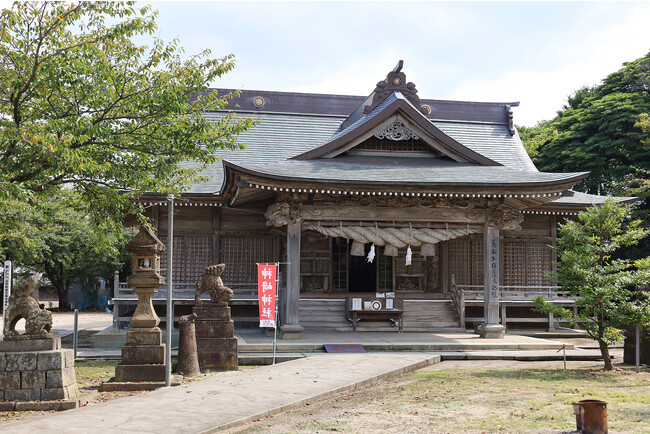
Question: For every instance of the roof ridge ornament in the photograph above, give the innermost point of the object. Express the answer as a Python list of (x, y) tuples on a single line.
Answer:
[(511, 124), (396, 82)]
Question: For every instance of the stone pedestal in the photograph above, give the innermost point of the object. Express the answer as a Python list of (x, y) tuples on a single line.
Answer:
[(188, 358), (291, 331), (36, 370), (491, 331), (143, 356), (215, 338)]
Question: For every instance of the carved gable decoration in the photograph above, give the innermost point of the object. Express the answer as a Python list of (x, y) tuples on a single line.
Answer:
[(396, 82), (396, 130)]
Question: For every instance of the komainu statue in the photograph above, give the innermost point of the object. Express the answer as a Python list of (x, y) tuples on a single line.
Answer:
[(38, 322), (210, 282)]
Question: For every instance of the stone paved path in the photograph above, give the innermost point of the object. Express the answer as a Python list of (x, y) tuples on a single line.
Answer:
[(231, 398)]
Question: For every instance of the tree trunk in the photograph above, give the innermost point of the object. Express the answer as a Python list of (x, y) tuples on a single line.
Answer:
[(605, 353), (61, 289), (64, 304)]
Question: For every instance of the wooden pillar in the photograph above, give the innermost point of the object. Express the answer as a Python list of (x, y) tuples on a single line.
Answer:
[(491, 328), (291, 327)]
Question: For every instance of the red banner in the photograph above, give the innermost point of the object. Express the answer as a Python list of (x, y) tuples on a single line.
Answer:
[(266, 293)]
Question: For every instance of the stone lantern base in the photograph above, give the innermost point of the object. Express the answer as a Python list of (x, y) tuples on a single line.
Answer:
[(143, 356)]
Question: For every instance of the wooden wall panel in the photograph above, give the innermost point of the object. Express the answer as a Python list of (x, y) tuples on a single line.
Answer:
[(238, 220), (187, 219)]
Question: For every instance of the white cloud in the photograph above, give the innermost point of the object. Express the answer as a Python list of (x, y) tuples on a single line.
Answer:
[(589, 54)]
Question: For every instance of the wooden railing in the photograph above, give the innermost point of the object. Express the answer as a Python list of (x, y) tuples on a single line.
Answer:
[(182, 294), (509, 296), (458, 296)]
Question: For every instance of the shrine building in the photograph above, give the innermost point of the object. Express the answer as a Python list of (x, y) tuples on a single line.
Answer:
[(434, 205)]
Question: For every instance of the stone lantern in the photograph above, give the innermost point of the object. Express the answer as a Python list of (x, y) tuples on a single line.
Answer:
[(143, 355), (146, 278)]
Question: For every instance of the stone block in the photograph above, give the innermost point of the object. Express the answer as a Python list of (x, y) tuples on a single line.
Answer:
[(53, 393), (23, 345), (142, 372), (143, 354), (152, 336), (2, 362), (216, 329), (225, 361), (20, 361), (212, 312), (47, 405), (216, 345), (48, 360), (32, 379), (9, 380), (6, 406), (72, 390), (217, 354), (23, 395), (60, 377)]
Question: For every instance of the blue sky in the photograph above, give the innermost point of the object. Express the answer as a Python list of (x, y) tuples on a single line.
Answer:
[(533, 52)]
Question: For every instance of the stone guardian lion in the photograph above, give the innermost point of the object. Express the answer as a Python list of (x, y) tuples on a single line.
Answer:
[(210, 282), (38, 322)]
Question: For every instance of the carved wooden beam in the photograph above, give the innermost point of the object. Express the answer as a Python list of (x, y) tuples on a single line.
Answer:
[(280, 214)]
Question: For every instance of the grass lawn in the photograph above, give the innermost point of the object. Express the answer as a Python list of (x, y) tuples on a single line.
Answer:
[(92, 373), (449, 401)]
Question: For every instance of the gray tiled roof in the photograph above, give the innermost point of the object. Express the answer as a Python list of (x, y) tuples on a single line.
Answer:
[(276, 138), (491, 140), (391, 171), (577, 198), (280, 136)]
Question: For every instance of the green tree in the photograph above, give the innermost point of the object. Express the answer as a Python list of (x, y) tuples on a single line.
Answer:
[(68, 246), (606, 287), (85, 107), (595, 131)]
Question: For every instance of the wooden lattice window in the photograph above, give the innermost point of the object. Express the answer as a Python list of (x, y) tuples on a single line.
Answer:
[(241, 254), (192, 254), (539, 263), (384, 271), (339, 264), (466, 260), (514, 263), (526, 263)]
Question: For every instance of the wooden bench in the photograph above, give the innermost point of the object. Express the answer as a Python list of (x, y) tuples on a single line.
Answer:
[(389, 314)]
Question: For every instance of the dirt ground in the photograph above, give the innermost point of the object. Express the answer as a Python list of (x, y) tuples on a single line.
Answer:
[(474, 397)]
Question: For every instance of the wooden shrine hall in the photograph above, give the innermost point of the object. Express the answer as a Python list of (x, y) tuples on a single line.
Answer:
[(432, 208)]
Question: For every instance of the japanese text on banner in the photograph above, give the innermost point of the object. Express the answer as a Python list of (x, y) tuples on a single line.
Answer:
[(266, 293)]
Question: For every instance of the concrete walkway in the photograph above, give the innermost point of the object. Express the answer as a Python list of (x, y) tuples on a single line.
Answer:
[(229, 399), (392, 341)]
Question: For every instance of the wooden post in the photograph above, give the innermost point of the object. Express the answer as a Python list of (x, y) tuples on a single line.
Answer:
[(444, 265), (491, 328), (291, 327)]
